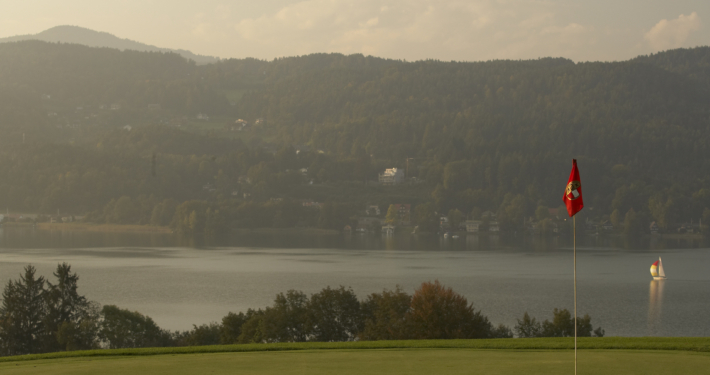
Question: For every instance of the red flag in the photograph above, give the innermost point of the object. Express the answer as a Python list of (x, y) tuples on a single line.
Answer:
[(573, 192)]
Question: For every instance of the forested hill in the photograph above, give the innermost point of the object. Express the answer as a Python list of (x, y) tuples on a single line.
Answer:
[(479, 134)]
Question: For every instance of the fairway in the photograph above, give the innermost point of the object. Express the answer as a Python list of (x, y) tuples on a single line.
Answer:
[(380, 361)]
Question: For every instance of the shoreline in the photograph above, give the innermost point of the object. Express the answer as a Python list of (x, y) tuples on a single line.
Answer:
[(89, 227), (289, 231), (127, 228)]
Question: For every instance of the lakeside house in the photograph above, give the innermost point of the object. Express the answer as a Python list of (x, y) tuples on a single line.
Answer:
[(391, 176), (473, 226), (388, 230)]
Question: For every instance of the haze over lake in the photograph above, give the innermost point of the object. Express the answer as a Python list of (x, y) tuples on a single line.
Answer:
[(180, 284)]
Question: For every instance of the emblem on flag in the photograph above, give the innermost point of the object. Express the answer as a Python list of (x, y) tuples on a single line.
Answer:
[(573, 192)]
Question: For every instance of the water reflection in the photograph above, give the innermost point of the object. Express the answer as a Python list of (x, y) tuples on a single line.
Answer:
[(29, 237), (655, 306)]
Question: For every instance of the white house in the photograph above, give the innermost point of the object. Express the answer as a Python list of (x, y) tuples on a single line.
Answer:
[(391, 176)]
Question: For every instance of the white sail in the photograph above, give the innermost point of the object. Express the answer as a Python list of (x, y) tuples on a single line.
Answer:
[(660, 268)]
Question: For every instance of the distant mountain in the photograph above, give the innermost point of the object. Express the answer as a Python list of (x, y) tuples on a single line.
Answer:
[(91, 38)]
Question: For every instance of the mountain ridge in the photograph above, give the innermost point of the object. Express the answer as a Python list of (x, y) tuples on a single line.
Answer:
[(92, 38)]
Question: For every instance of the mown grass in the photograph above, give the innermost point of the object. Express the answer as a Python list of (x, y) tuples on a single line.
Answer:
[(410, 361), (692, 344)]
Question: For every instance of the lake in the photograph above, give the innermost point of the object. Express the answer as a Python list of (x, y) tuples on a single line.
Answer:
[(181, 283)]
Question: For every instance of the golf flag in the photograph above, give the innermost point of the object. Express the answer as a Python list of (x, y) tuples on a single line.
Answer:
[(573, 192)]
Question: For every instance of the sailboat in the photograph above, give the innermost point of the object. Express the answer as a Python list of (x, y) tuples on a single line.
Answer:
[(657, 270)]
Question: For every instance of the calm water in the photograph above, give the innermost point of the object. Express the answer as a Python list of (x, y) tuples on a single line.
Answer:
[(183, 283)]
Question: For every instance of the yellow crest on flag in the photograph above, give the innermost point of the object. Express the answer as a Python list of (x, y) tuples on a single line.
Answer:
[(571, 190)]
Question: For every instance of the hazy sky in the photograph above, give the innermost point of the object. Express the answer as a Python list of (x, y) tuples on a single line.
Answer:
[(403, 29)]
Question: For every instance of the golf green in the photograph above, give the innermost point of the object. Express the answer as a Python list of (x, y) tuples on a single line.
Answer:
[(379, 361)]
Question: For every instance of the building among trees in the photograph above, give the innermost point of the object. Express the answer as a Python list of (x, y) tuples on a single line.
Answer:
[(391, 176)]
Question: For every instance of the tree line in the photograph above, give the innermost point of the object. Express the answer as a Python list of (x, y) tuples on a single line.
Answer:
[(38, 316)]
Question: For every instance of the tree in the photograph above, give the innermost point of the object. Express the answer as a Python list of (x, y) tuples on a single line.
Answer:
[(206, 334), (252, 328), (528, 327), (384, 315), (457, 175), (334, 315), (438, 312), (189, 217), (426, 218), (287, 319), (455, 218), (81, 334), (334, 215), (130, 329), (124, 211), (231, 327), (64, 306), (542, 213), (512, 211), (633, 224), (392, 216), (562, 325), (660, 210), (615, 219), (21, 317)]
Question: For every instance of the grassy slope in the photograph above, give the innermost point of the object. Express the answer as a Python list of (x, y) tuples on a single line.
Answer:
[(380, 361), (693, 344)]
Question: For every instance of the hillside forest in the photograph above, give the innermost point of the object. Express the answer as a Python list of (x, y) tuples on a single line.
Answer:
[(151, 138)]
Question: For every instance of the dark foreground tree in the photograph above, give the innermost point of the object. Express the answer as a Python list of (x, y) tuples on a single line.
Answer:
[(232, 324), (334, 315), (22, 313), (562, 325), (82, 333), (287, 319), (65, 307), (438, 312), (130, 329), (528, 327), (384, 315), (252, 328), (206, 334)]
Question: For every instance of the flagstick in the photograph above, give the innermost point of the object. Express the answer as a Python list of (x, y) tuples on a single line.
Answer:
[(574, 231)]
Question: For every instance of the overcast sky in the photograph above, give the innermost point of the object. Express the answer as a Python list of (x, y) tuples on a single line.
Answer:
[(473, 30)]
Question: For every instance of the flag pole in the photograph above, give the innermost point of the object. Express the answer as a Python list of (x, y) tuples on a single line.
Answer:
[(574, 236)]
